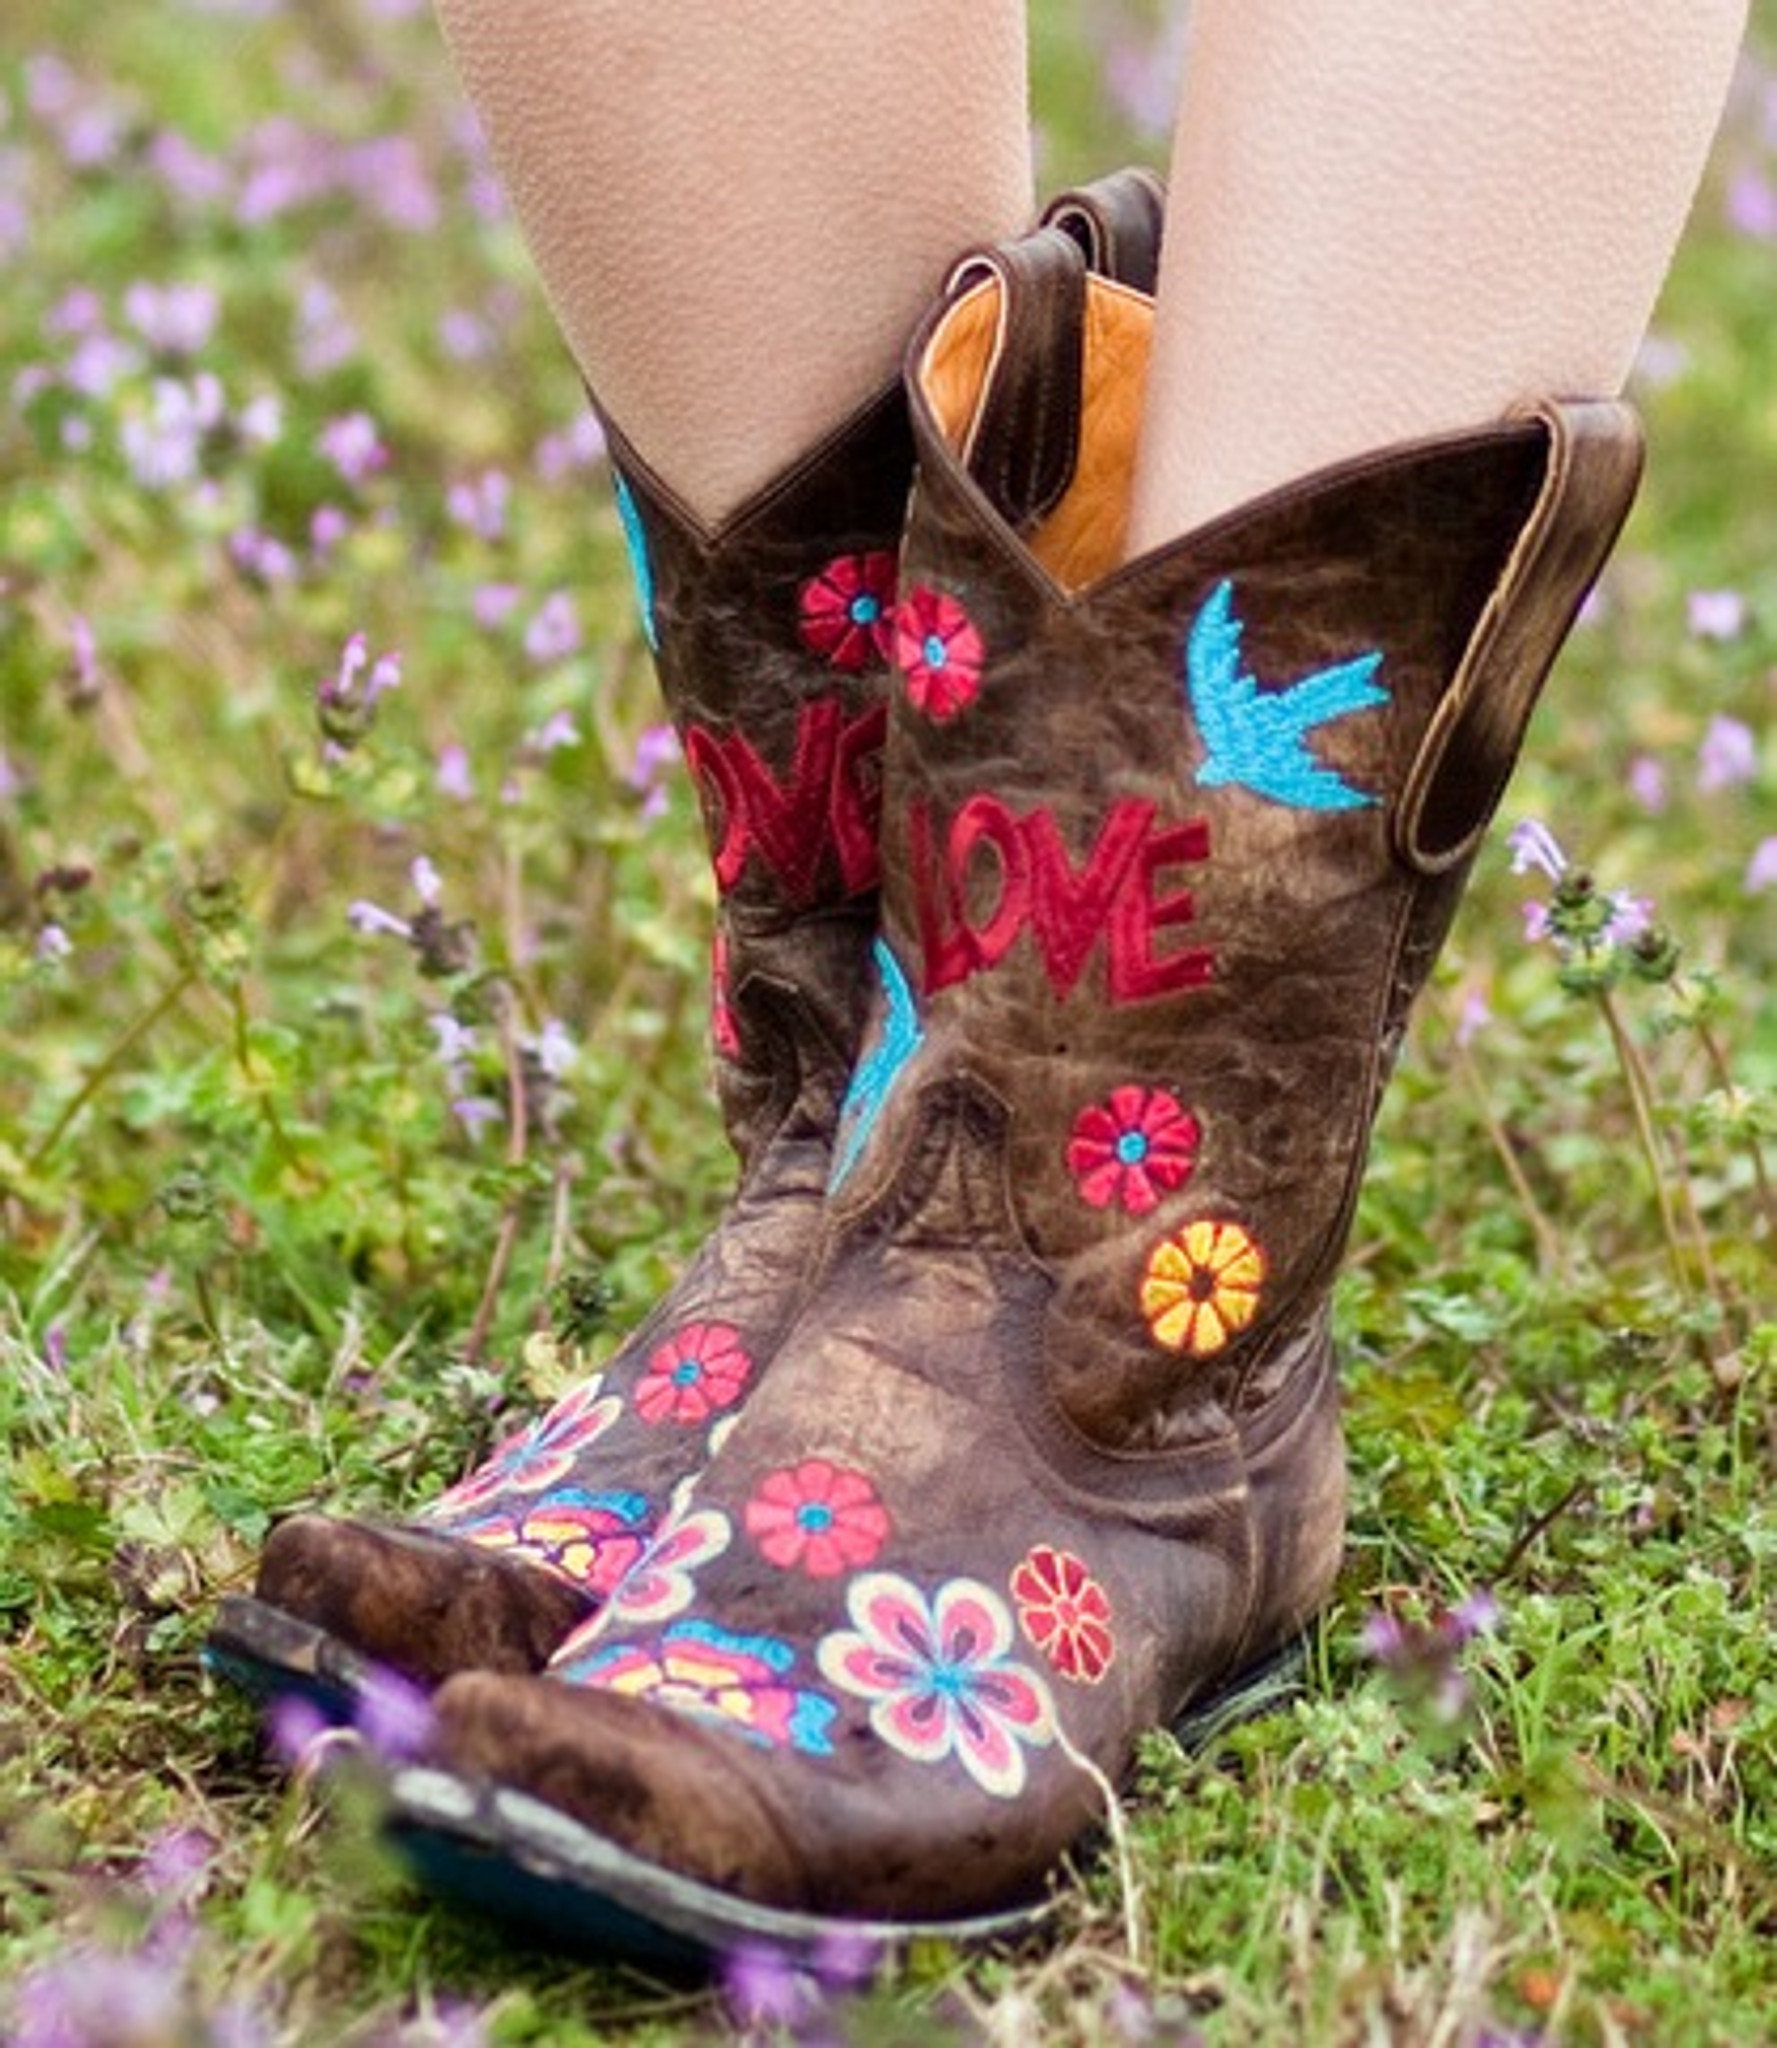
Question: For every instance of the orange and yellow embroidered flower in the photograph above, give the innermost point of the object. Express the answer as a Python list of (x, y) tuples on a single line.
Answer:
[(1202, 1287)]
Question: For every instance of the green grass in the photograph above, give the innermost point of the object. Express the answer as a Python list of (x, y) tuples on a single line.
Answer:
[(250, 1260)]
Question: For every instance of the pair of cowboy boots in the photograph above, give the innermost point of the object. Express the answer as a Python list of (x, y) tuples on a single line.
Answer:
[(1048, 1451)]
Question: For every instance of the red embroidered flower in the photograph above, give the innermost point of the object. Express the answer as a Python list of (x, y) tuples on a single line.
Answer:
[(693, 1374), (1202, 1287), (1132, 1149), (723, 1029), (848, 609), (1063, 1610), (818, 1517), (939, 651)]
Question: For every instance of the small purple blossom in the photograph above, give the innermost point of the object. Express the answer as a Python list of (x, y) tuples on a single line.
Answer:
[(454, 778), (475, 1113), (394, 1716), (553, 1049), (494, 603), (260, 556), (1715, 614), (1630, 916), (554, 631), (293, 1726), (354, 447), (1422, 1657), (575, 447), (325, 338), (1727, 756), (173, 319), (166, 447), (188, 175), (1473, 1018), (1761, 870), (373, 920), (557, 730), (479, 503), (657, 753), (1647, 783), (426, 885), (328, 526), (1533, 845), (52, 946), (98, 363), (1752, 205)]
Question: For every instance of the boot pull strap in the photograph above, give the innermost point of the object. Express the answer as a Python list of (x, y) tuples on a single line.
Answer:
[(1025, 438), (1118, 222), (1594, 465)]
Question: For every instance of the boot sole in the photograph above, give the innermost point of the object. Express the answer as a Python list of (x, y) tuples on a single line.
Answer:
[(270, 1656), (503, 1853)]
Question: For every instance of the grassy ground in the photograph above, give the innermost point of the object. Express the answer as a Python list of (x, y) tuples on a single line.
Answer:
[(273, 374)]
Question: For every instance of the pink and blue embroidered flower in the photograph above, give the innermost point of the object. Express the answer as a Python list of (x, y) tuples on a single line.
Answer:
[(1132, 1149), (703, 1369), (537, 1457), (939, 1678), (817, 1517), (848, 610), (939, 652), (660, 1584), (589, 1539), (696, 1668)]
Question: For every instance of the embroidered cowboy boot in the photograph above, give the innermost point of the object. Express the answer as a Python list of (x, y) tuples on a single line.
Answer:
[(772, 637), (1053, 1454)]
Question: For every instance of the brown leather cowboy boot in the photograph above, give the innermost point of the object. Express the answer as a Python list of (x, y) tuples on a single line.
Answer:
[(1053, 1453), (772, 637)]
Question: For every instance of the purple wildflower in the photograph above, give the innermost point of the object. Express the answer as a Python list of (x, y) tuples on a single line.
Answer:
[(426, 885), (576, 447), (464, 336), (554, 631), (293, 1726), (1716, 614), (328, 526), (53, 946), (454, 778), (1423, 1658), (1727, 757), (1761, 870), (261, 557), (55, 1347), (98, 363), (1473, 1018), (494, 603), (479, 503), (188, 175), (474, 1112), (1630, 916), (372, 919), (354, 447), (553, 1049), (1752, 205), (1661, 361), (325, 338), (166, 447), (177, 1863), (174, 319), (1647, 783), (1533, 845), (657, 753), (394, 1716), (557, 730)]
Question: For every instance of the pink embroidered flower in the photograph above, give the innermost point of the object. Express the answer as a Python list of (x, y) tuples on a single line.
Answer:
[(938, 1677), (1202, 1287), (1132, 1149), (1064, 1611), (589, 1539), (702, 1369), (939, 652), (848, 609), (694, 1667), (659, 1586), (537, 1457), (817, 1517)]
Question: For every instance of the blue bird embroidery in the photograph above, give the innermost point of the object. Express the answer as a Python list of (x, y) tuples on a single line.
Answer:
[(898, 1039), (635, 539), (1256, 739)]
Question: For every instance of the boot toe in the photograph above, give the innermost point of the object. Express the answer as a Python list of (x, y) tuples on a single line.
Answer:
[(425, 1605)]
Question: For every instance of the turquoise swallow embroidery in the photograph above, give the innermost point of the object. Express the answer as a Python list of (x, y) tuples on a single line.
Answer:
[(1257, 739), (636, 540), (877, 1072)]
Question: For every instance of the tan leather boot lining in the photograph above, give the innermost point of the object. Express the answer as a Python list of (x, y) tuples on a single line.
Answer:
[(1082, 539)]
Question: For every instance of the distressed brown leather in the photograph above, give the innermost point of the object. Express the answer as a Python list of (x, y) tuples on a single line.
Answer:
[(1082, 1483), (781, 713), (784, 742)]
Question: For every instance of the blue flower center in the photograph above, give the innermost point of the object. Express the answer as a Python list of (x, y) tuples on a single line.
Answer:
[(1132, 1148), (935, 652), (814, 1516), (865, 610), (687, 1372)]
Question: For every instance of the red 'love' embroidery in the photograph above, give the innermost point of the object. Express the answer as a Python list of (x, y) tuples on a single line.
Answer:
[(1113, 896), (830, 800)]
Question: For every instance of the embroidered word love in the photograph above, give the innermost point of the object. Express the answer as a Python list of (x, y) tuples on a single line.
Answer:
[(831, 798), (1033, 884)]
